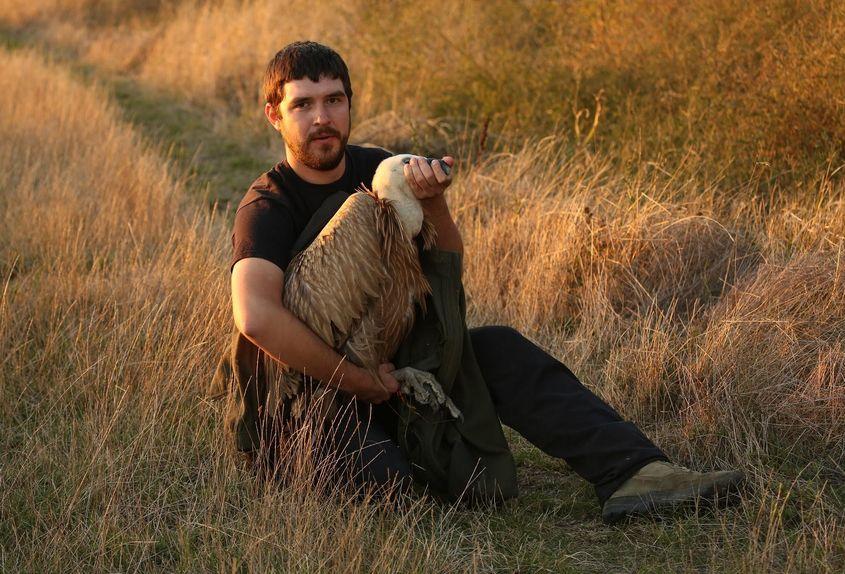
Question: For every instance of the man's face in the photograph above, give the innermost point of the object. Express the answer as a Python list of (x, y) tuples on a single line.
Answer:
[(314, 121)]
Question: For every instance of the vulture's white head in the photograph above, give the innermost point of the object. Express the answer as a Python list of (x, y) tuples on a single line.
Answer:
[(389, 183)]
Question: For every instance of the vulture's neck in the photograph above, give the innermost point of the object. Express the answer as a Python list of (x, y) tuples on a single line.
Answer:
[(408, 210)]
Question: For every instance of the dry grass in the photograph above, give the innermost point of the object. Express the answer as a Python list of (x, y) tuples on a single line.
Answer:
[(716, 324), (679, 310), (680, 277), (715, 85)]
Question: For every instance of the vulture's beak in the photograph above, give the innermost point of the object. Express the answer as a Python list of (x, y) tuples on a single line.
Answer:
[(446, 168)]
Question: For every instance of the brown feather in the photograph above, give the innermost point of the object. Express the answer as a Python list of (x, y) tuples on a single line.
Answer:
[(356, 286)]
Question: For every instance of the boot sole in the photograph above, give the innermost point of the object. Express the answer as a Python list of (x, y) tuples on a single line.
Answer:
[(725, 490)]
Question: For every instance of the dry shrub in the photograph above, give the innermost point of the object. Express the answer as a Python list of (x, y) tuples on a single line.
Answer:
[(554, 231), (783, 527), (405, 131), (114, 311), (649, 283), (742, 88), (773, 348), (641, 369), (814, 222), (92, 12), (660, 255), (637, 286), (218, 51)]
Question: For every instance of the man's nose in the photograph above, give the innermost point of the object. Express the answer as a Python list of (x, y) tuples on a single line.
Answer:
[(321, 115)]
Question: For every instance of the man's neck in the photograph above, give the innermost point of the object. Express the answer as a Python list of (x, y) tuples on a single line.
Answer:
[(316, 176)]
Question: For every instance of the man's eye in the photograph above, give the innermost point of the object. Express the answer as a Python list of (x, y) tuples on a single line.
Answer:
[(300, 105), (334, 100)]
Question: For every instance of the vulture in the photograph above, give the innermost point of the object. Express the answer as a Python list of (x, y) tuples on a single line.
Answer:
[(356, 286)]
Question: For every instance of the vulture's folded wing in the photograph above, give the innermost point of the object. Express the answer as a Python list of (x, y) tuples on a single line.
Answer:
[(331, 284)]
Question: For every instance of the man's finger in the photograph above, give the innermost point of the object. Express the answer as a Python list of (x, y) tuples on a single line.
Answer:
[(422, 184), (389, 368), (391, 384), (439, 174), (427, 172), (412, 180)]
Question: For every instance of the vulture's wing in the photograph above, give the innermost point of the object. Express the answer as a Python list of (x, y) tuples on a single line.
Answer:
[(330, 285)]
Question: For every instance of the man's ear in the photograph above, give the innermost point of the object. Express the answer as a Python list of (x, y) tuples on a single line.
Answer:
[(273, 115)]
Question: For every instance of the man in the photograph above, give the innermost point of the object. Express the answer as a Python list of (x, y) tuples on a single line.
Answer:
[(309, 95)]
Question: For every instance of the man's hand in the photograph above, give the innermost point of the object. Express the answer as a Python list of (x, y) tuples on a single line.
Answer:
[(428, 181), (367, 388)]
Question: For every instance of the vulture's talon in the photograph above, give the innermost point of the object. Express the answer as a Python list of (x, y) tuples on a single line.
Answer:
[(425, 389)]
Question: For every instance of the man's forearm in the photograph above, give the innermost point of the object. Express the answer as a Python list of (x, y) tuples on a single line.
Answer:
[(448, 236), (287, 339)]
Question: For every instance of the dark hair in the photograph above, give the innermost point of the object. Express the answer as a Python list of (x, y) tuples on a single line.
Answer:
[(299, 60)]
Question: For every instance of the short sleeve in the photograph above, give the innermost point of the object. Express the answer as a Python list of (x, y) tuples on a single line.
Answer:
[(264, 229), (367, 160), (376, 157)]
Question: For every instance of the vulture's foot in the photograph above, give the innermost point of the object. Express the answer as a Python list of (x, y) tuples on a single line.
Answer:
[(425, 389)]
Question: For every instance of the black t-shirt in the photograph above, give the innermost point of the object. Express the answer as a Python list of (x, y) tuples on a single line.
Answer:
[(278, 205)]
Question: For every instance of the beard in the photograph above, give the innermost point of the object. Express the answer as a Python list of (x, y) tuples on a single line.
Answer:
[(320, 155)]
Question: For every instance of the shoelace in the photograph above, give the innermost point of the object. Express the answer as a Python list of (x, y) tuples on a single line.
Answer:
[(678, 466)]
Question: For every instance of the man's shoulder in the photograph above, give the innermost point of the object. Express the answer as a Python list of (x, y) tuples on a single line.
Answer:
[(266, 186), (368, 152), (367, 157), (365, 160)]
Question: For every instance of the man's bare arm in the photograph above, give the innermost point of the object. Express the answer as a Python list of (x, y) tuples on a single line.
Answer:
[(257, 287), (448, 236)]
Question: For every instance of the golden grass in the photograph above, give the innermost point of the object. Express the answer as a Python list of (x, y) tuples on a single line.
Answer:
[(676, 309), (729, 88), (94, 12), (663, 261)]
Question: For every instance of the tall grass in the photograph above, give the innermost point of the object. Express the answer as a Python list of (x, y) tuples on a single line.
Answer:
[(717, 325), (683, 311), (684, 258), (730, 88)]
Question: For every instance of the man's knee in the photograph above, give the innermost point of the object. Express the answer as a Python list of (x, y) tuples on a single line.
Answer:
[(389, 468), (495, 337), (363, 447)]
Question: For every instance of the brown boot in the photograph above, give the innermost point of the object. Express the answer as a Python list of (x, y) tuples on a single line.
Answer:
[(662, 486)]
